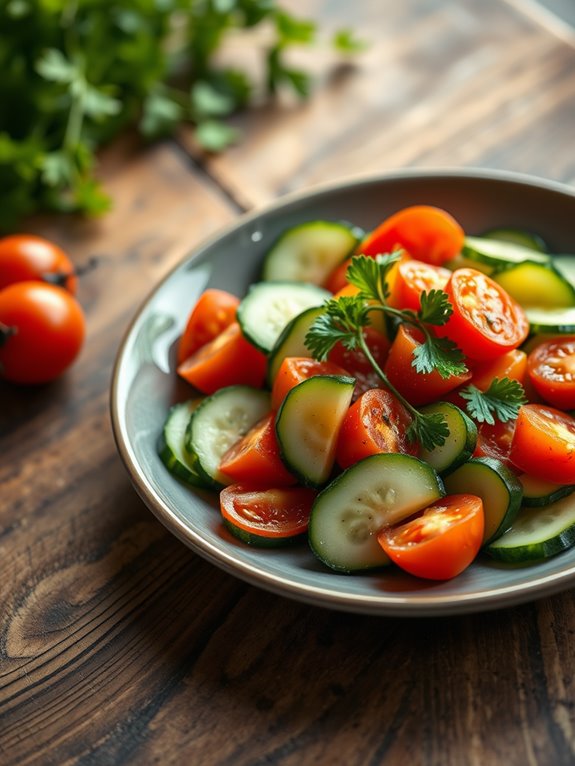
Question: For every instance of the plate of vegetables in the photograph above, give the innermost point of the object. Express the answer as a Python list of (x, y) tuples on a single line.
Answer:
[(363, 396)]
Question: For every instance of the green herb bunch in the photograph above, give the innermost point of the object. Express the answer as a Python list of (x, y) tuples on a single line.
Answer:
[(77, 72)]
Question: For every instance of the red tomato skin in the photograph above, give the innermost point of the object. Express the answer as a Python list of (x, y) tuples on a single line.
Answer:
[(295, 369), (486, 321), (427, 233), (412, 278), (543, 443), (377, 422), (255, 459), (50, 331), (356, 363), (417, 388), (227, 360), (446, 554), (25, 257), (551, 370), (512, 365), (270, 512), (495, 441), (214, 311)]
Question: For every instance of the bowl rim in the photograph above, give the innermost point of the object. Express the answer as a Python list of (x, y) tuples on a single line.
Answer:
[(392, 605)]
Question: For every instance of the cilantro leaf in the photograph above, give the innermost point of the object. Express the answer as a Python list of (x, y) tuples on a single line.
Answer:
[(342, 320), (345, 41), (430, 430), (435, 307), (501, 401), (369, 274), (439, 354)]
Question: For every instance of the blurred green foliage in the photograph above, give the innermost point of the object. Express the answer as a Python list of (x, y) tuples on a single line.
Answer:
[(74, 73)]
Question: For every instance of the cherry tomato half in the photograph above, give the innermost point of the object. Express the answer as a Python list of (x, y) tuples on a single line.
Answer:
[(356, 363), (214, 311), (486, 320), (413, 278), (439, 542), (428, 233), (376, 422), (543, 443), (42, 329), (512, 365), (551, 370), (26, 257), (294, 369), (495, 441), (256, 457), (267, 513)]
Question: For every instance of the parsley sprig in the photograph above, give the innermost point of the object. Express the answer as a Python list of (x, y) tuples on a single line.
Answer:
[(501, 400), (345, 319)]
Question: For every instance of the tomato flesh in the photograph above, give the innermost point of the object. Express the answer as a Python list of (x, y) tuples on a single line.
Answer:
[(356, 363), (42, 329), (214, 311), (377, 422), (486, 321), (440, 541), (414, 277), (543, 443), (256, 457), (273, 513), (495, 441), (551, 370)]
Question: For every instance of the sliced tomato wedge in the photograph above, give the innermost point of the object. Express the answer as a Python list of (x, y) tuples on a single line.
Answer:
[(376, 422), (225, 361), (543, 443), (258, 515), (512, 365), (294, 369), (551, 370), (214, 311), (495, 441), (486, 321), (440, 541), (356, 363), (256, 457), (417, 388), (414, 277), (428, 233)]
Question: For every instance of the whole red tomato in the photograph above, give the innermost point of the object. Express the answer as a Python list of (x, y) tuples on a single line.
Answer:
[(42, 329), (26, 256)]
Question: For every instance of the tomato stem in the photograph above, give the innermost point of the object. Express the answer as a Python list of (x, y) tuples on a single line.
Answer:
[(59, 278), (6, 331)]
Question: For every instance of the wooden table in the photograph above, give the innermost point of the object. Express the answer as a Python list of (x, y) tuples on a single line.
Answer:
[(118, 645)]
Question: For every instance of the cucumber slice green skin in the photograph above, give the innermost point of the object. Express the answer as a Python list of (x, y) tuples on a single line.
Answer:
[(565, 264), (310, 251), (171, 447), (305, 426), (521, 237), (551, 321), (348, 514), (259, 541), (269, 306), (537, 493), (218, 422), (460, 444), (499, 488), (498, 254), (291, 341), (537, 534), (536, 285)]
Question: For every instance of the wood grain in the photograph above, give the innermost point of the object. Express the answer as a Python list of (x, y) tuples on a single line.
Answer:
[(118, 645)]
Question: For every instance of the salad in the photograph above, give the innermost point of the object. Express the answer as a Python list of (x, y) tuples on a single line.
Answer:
[(400, 397)]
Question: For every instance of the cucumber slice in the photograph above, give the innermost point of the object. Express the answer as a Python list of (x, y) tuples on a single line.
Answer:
[(536, 285), (566, 265), (498, 254), (496, 485), (538, 493), (308, 423), (310, 251), (518, 237), (551, 321), (348, 514), (269, 306), (291, 341), (458, 448), (537, 533), (171, 447), (218, 422)]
